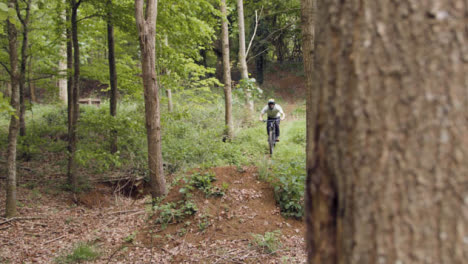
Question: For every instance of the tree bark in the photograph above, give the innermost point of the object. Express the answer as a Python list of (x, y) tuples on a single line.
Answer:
[(242, 57), (388, 183), (24, 60), (146, 25), (10, 208), (308, 14), (72, 140), (227, 70), (112, 73)]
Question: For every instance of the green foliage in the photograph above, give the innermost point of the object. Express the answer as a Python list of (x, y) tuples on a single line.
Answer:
[(268, 243), (170, 213), (203, 223), (5, 106), (202, 182), (81, 253), (130, 238), (248, 86), (289, 189)]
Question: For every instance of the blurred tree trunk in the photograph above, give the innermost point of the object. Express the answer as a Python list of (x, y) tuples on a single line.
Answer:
[(226, 70), (72, 140), (308, 8), (24, 59), (112, 73), (242, 56), (388, 179), (146, 24), (10, 208)]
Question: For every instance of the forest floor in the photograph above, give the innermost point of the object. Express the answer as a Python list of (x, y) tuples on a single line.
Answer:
[(228, 229)]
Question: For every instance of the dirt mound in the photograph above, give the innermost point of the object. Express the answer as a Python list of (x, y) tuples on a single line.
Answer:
[(224, 223)]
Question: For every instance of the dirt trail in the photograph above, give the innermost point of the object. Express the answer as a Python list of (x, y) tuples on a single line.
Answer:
[(220, 232)]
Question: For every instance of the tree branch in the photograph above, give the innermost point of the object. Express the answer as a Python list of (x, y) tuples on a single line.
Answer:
[(88, 17), (6, 68), (255, 31), (18, 13), (258, 54), (274, 32)]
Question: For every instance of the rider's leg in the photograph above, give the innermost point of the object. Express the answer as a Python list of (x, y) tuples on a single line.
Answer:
[(268, 127), (278, 128)]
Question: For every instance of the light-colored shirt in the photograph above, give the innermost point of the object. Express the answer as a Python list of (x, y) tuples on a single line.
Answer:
[(273, 113)]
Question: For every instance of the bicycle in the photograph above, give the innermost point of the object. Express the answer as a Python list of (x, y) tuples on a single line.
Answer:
[(271, 134)]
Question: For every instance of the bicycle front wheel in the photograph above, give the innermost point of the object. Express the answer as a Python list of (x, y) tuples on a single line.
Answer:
[(271, 141)]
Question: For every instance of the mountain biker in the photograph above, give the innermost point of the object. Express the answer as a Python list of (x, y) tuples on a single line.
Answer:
[(275, 113)]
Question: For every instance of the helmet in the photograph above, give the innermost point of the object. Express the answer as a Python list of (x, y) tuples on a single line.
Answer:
[(271, 101)]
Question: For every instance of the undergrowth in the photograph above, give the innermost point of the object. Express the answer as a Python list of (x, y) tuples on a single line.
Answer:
[(192, 137), (268, 243)]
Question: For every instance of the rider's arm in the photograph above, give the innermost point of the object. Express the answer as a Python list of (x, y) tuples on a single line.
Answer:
[(283, 115), (262, 113)]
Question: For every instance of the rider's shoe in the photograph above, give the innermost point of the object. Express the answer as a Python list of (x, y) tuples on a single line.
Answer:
[(277, 140)]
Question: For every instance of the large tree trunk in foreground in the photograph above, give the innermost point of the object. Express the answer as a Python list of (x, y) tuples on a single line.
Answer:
[(112, 73), (242, 56), (10, 208), (227, 70), (74, 113), (146, 24), (388, 183), (308, 8)]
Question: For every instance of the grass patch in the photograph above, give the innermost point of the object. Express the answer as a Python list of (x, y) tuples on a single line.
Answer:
[(82, 252), (268, 243)]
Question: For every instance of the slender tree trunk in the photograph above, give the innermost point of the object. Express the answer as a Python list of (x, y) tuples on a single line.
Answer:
[(8, 89), (63, 69), (31, 85), (170, 106), (227, 70), (69, 70), (242, 57), (146, 25), (112, 73), (24, 60), (10, 208), (72, 140), (388, 183)]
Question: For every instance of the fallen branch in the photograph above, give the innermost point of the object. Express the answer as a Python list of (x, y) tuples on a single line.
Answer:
[(8, 220), (125, 212), (130, 178), (55, 239)]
